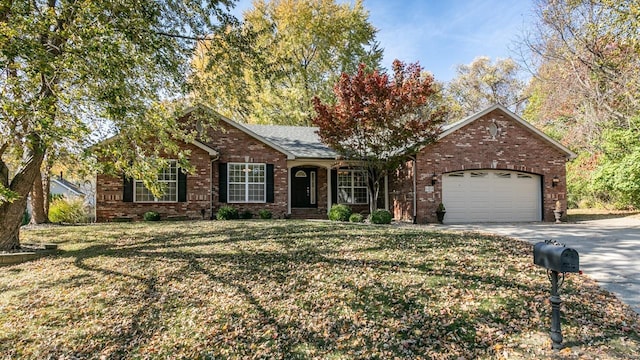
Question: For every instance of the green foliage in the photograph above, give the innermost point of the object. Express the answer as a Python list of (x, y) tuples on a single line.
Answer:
[(69, 67), (227, 213), (151, 216), (26, 218), (265, 214), (268, 69), (67, 211), (441, 208), (356, 218), (381, 216), (6, 195), (339, 212), (246, 214), (618, 173)]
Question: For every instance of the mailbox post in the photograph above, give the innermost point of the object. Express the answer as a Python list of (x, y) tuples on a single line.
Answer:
[(557, 259)]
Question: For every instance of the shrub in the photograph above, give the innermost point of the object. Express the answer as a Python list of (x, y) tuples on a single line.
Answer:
[(381, 217), (227, 213), (63, 211), (356, 218), (246, 215), (265, 214), (339, 212), (151, 216), (26, 218)]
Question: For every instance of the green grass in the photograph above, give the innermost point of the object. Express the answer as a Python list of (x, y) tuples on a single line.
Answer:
[(295, 289)]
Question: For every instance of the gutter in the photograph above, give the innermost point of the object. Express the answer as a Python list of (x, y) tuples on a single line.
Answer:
[(415, 186)]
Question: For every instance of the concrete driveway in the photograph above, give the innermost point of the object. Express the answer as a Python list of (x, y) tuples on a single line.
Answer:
[(609, 249)]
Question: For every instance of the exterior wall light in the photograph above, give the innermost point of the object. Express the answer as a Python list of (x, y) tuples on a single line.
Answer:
[(555, 181), (434, 179)]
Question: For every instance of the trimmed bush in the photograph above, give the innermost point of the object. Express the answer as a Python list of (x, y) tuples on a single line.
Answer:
[(381, 217), (356, 218), (265, 214), (339, 212), (151, 216), (63, 211), (246, 215), (227, 213)]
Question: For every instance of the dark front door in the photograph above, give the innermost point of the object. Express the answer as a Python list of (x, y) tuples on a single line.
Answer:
[(303, 188)]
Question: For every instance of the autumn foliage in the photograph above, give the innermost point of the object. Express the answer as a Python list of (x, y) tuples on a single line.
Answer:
[(380, 119)]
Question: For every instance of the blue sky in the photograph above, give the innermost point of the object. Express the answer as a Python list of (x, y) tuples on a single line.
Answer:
[(441, 34)]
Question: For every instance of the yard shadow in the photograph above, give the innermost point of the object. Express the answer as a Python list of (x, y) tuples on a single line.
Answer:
[(322, 291)]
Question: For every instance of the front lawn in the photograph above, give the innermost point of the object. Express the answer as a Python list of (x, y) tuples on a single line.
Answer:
[(295, 289)]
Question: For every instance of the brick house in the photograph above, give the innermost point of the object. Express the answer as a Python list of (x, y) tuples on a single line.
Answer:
[(492, 166)]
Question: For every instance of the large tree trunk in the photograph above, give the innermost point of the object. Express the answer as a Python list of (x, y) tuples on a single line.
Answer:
[(38, 198), (11, 212)]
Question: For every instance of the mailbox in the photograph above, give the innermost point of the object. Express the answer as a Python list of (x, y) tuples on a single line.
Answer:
[(556, 257)]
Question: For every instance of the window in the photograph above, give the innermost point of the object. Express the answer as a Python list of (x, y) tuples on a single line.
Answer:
[(352, 187), (247, 182), (168, 179)]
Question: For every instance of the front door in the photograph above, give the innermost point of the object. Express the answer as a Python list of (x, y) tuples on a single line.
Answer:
[(303, 188)]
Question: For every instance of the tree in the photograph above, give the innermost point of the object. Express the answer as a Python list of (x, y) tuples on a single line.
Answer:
[(585, 56), (291, 51), (379, 120), (482, 84), (72, 67)]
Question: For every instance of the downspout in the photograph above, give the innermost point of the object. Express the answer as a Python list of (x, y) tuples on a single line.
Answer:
[(415, 189)]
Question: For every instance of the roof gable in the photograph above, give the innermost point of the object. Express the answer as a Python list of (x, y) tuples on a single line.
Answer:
[(451, 128)]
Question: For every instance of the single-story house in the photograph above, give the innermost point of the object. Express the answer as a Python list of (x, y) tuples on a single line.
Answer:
[(490, 167)]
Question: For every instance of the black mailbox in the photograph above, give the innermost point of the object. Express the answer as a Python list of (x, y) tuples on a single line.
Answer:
[(556, 257)]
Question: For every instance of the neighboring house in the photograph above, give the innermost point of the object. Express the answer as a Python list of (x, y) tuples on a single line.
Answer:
[(492, 166), (65, 188)]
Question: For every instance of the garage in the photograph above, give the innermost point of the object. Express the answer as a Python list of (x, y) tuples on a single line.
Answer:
[(491, 196)]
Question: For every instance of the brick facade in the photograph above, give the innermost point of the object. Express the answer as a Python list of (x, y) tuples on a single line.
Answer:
[(236, 146), (110, 205), (515, 148)]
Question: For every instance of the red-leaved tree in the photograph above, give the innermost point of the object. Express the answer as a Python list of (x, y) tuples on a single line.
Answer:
[(379, 120)]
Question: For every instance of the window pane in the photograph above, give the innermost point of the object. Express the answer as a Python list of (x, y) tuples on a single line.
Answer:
[(256, 173), (360, 195), (256, 193), (359, 178), (236, 173), (142, 193), (344, 178), (236, 192), (170, 192)]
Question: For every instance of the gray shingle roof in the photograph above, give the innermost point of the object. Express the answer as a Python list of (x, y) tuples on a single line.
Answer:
[(301, 141)]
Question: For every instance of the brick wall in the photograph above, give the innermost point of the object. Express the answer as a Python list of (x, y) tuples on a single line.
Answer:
[(236, 146), (109, 192), (472, 147)]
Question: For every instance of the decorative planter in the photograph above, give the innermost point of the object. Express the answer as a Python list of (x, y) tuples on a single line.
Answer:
[(558, 215)]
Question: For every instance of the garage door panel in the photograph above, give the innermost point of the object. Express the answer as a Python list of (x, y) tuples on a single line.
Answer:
[(491, 196)]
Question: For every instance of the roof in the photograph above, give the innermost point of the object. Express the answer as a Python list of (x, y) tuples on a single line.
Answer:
[(300, 141), (450, 128), (68, 185)]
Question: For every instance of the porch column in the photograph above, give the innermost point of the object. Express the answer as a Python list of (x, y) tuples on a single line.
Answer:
[(386, 192), (329, 194)]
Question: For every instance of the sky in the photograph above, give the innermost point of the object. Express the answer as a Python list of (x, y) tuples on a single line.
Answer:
[(441, 34)]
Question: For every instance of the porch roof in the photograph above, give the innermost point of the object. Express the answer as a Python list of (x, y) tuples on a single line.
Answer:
[(301, 141)]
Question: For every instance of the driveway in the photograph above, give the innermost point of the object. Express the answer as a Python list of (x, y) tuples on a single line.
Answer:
[(609, 249)]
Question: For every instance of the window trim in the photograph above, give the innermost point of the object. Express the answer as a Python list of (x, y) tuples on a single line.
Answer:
[(352, 187), (246, 183), (155, 199)]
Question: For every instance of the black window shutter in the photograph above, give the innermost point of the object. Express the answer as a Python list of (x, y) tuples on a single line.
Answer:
[(127, 191), (182, 186), (334, 186), (270, 185), (222, 182)]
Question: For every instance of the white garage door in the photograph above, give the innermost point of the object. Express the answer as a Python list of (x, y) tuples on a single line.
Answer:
[(491, 196)]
